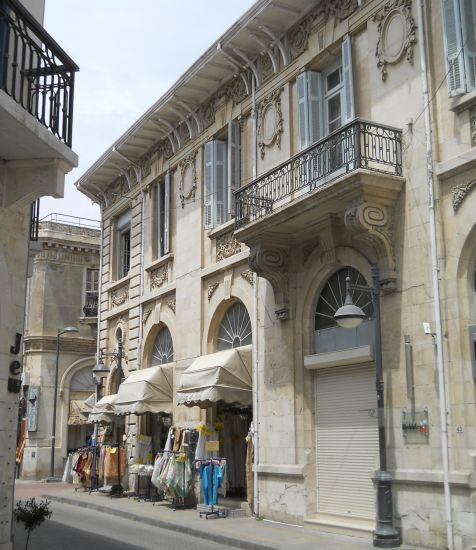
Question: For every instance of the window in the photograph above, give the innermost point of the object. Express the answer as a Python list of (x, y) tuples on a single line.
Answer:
[(123, 232), (90, 308), (459, 20), (161, 198), (325, 100), (235, 328), (222, 176), (163, 348)]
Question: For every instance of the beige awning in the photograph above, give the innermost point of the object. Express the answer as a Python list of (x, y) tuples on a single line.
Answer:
[(146, 390), (103, 411), (222, 376), (79, 410)]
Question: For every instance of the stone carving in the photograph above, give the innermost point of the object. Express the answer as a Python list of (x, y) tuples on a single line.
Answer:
[(188, 186), (271, 263), (373, 224), (472, 122), (145, 163), (397, 34), (206, 113), (298, 37), (146, 314), (120, 295), (211, 289), (265, 66), (341, 9), (69, 229), (116, 190), (226, 246), (248, 276), (158, 277), (172, 304), (270, 121), (460, 192), (236, 90)]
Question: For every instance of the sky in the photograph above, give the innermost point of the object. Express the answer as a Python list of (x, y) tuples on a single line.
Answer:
[(130, 52)]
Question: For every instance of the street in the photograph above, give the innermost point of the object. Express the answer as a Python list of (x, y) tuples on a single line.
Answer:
[(75, 528)]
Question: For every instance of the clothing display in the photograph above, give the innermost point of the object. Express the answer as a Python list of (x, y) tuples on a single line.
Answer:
[(211, 473), (82, 467)]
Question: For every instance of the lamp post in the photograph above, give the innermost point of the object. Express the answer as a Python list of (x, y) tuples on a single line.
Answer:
[(53, 430), (350, 316), (101, 371)]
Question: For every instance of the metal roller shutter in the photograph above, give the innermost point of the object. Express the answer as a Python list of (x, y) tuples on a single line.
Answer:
[(347, 441)]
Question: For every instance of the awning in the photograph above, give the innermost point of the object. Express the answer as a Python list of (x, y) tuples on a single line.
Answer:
[(79, 410), (103, 411), (146, 390), (222, 376)]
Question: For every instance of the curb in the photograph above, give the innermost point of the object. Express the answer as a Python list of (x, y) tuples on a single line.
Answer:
[(183, 529)]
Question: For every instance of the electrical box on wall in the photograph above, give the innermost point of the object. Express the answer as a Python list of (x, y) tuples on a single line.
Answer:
[(472, 347)]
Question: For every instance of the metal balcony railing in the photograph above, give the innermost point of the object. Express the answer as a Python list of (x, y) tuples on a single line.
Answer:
[(359, 144), (91, 307), (34, 220), (35, 71)]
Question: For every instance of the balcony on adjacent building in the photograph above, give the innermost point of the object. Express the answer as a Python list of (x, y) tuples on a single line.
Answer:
[(36, 107), (360, 161), (90, 309)]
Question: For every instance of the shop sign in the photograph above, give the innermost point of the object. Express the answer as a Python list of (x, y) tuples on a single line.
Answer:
[(212, 446)]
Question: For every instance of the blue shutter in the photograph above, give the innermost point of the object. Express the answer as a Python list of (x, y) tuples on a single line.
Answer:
[(315, 106), (302, 111), (167, 183), (468, 17), (221, 181), (209, 185), (453, 45), (234, 164)]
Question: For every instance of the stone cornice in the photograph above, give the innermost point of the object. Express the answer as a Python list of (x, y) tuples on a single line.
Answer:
[(40, 344)]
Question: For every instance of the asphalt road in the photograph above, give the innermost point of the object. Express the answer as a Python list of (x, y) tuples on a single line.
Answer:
[(74, 528)]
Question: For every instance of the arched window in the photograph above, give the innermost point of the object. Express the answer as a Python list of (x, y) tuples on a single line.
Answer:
[(163, 348), (235, 328), (328, 335), (82, 381)]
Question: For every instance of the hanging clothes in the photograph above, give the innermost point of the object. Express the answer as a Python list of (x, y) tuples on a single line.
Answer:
[(211, 475)]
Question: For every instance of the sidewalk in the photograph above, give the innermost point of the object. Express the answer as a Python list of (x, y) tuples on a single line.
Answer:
[(244, 533)]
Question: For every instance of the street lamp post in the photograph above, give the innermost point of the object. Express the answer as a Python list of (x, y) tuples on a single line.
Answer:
[(350, 316), (100, 371), (53, 430)]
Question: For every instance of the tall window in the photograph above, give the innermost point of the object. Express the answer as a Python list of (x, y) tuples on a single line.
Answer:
[(123, 233), (235, 328), (161, 198), (91, 293), (163, 348), (325, 100), (222, 176), (459, 21)]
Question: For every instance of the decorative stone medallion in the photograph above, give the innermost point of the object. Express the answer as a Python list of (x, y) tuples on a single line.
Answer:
[(397, 34), (270, 121), (188, 177), (120, 296)]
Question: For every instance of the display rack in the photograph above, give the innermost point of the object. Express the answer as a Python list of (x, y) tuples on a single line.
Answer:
[(212, 512)]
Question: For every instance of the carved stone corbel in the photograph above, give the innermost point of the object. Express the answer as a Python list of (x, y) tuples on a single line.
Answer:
[(373, 224), (270, 262)]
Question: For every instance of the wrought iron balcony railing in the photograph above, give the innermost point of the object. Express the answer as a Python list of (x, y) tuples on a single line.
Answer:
[(91, 307), (35, 71), (359, 144), (34, 220)]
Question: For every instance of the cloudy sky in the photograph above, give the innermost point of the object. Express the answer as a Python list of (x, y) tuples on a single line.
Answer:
[(129, 54)]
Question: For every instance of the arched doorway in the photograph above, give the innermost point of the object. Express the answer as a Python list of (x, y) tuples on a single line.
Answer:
[(81, 388)]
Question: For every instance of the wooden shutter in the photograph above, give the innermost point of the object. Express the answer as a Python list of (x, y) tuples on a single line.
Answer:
[(453, 46), (348, 111), (315, 105), (468, 16), (209, 185), (167, 183), (346, 441), (234, 164), (221, 181), (302, 111)]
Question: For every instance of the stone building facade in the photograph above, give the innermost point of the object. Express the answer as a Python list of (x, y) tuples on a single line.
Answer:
[(314, 141), (35, 155), (62, 292)]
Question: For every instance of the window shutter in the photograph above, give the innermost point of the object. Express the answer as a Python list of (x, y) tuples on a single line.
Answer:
[(302, 111), (234, 164), (221, 181), (209, 185), (348, 111), (159, 220), (315, 95), (468, 17), (453, 46), (167, 184)]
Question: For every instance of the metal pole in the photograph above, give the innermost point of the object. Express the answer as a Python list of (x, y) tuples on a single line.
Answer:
[(119, 380), (385, 535), (53, 430)]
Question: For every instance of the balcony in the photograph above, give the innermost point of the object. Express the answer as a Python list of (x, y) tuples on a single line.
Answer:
[(361, 155), (91, 307)]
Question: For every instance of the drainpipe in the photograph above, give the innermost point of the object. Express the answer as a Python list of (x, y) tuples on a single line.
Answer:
[(256, 330), (435, 269), (98, 337)]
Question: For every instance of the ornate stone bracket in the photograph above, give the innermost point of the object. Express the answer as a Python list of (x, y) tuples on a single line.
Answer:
[(472, 123), (188, 177), (397, 34), (146, 314), (211, 289), (373, 224), (226, 246), (270, 121), (271, 263), (172, 304), (460, 192), (248, 276)]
